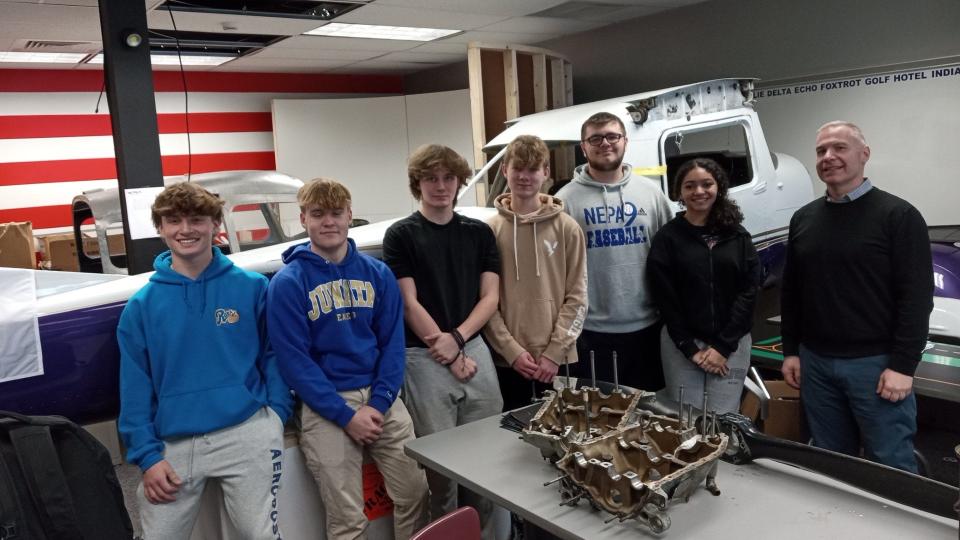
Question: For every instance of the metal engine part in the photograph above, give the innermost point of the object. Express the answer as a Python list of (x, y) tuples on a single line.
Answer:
[(625, 460), (572, 415), (635, 471)]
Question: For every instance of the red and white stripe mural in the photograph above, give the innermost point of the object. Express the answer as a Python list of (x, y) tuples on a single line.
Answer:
[(53, 146)]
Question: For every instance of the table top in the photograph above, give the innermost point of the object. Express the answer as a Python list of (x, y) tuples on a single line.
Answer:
[(760, 498)]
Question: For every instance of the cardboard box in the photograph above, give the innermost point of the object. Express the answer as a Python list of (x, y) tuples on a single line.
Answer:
[(60, 250), (16, 245), (785, 417)]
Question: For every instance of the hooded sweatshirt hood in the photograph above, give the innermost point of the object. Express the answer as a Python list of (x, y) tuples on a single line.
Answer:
[(304, 253), (619, 220), (581, 175), (550, 207), (194, 290)]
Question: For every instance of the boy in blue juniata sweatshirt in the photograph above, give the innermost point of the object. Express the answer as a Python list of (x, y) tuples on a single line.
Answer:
[(201, 396), (335, 318)]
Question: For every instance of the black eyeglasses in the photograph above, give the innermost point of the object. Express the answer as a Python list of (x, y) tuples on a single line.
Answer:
[(597, 140)]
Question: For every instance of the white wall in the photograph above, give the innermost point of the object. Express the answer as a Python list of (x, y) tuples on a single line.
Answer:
[(365, 142), (769, 39), (910, 124)]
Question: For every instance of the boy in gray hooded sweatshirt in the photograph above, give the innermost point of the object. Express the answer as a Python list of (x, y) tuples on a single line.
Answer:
[(619, 215)]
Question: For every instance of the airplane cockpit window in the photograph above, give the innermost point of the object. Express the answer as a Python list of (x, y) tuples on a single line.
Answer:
[(726, 144), (257, 224)]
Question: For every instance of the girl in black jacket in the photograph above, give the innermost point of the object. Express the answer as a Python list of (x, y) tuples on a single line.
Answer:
[(704, 275)]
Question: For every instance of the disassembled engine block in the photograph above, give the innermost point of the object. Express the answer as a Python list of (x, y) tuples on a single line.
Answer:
[(624, 459)]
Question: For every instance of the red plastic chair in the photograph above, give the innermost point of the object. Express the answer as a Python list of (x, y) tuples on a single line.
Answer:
[(461, 524)]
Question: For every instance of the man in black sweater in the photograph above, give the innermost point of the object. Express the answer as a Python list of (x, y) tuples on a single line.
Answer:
[(856, 301)]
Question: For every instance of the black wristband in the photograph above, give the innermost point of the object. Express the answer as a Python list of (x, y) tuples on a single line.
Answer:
[(458, 338)]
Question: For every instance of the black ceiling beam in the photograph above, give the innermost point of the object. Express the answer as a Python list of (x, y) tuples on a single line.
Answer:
[(133, 115)]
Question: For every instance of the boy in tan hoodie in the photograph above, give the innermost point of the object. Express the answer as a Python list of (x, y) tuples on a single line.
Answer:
[(543, 284)]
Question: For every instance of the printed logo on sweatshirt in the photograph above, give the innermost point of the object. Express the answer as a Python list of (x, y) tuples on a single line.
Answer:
[(603, 215), (616, 236), (551, 246), (622, 233), (226, 316), (339, 294)]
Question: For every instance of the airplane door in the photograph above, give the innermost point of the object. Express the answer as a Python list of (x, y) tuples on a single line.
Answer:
[(729, 143)]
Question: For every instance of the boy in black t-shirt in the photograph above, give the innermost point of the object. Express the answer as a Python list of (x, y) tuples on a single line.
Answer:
[(447, 266)]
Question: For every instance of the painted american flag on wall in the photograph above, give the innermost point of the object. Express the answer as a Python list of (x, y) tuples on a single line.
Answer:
[(53, 146)]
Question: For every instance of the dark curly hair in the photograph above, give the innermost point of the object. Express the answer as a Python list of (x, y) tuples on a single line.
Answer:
[(725, 213)]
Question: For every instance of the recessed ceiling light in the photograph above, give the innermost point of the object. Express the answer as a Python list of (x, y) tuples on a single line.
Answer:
[(41, 57), (172, 60), (372, 31)]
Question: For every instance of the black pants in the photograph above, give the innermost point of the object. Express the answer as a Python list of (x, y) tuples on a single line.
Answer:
[(638, 357)]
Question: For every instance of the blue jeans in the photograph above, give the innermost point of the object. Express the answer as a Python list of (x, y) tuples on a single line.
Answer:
[(845, 413)]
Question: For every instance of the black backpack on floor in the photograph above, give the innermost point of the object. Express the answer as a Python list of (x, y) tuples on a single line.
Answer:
[(57, 482)]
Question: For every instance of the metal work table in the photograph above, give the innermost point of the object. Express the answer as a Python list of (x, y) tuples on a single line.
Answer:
[(762, 499)]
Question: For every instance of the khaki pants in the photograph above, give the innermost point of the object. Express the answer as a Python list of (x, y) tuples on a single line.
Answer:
[(335, 461)]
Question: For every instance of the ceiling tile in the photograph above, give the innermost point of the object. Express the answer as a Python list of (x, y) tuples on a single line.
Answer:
[(624, 14), (436, 17), (442, 46), (315, 54), (50, 22), (541, 25), (345, 44), (214, 22), (499, 8), (526, 38), (253, 61), (423, 57)]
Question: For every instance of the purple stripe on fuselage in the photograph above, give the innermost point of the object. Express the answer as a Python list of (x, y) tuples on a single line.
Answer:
[(81, 364), (946, 270)]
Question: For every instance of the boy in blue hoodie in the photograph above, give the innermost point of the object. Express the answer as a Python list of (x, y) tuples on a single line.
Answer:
[(335, 317), (201, 397)]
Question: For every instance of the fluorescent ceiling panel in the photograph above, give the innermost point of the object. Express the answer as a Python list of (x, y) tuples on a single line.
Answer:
[(41, 57), (373, 31), (172, 60)]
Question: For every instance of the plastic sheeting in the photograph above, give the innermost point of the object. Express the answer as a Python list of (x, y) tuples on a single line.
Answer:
[(20, 353)]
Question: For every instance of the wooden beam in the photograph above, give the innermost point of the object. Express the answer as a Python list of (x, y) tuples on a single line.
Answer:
[(476, 105), (558, 88), (565, 154), (540, 82), (519, 48), (510, 87)]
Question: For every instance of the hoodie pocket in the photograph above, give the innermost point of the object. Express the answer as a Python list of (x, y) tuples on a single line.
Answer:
[(535, 324)]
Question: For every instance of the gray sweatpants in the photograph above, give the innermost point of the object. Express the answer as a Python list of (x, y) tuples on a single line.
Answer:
[(246, 459), (723, 392), (438, 401)]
